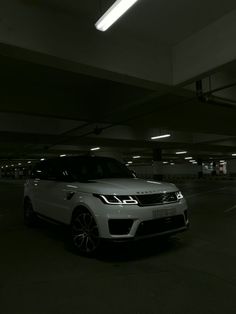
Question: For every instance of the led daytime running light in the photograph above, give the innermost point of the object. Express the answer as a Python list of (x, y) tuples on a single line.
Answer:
[(118, 200)]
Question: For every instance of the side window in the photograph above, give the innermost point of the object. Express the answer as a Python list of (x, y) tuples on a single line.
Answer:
[(45, 171), (51, 170), (39, 171)]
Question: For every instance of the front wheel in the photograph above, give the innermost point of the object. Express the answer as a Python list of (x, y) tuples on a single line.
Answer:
[(84, 233)]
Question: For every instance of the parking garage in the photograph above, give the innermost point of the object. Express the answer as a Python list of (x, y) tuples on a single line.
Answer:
[(157, 92)]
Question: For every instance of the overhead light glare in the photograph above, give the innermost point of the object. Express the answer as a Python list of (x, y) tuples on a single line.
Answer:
[(136, 157), (233, 154), (130, 162), (160, 136), (63, 155), (181, 153), (29, 162), (95, 148), (165, 162), (42, 159), (113, 14), (188, 158)]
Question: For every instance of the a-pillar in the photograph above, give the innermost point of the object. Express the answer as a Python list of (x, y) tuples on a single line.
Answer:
[(157, 165)]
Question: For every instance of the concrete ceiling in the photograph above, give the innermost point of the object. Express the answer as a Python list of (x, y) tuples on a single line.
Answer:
[(166, 20), (46, 111), (51, 105)]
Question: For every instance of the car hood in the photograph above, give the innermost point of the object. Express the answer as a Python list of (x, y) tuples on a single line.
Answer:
[(132, 186)]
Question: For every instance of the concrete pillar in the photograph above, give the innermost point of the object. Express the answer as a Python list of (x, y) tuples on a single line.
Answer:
[(231, 167), (157, 164)]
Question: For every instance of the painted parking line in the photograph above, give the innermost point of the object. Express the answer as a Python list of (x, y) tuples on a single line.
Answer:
[(205, 192), (230, 209)]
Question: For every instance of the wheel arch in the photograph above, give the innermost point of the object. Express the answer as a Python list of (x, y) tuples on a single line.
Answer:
[(81, 207)]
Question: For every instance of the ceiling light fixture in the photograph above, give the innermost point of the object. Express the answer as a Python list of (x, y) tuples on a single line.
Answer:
[(188, 158), (42, 159), (233, 154), (63, 155), (95, 148), (160, 136), (113, 14), (130, 162), (136, 157), (181, 153)]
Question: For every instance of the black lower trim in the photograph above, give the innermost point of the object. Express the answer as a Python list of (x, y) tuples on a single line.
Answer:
[(120, 226), (50, 219), (160, 225)]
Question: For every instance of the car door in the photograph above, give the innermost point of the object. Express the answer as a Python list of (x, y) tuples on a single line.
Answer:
[(51, 193)]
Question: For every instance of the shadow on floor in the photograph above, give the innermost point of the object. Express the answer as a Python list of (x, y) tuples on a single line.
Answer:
[(116, 252)]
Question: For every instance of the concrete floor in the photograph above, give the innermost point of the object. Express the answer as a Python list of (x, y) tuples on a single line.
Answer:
[(195, 272)]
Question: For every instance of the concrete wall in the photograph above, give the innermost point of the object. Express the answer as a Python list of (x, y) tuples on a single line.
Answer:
[(231, 166), (180, 170)]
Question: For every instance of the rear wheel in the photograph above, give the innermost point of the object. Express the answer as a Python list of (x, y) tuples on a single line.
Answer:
[(30, 217), (84, 233)]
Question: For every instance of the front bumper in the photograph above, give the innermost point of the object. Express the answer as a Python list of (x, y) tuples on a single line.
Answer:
[(126, 222)]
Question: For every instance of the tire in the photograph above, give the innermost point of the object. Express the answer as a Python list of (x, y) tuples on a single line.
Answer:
[(84, 233), (30, 217)]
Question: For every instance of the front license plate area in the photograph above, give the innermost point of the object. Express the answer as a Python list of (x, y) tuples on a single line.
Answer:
[(160, 213)]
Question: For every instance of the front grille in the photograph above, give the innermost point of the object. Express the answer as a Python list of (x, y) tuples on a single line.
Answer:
[(120, 226), (160, 225), (155, 199)]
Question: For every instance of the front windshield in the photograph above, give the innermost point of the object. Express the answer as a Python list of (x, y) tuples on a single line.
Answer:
[(93, 168)]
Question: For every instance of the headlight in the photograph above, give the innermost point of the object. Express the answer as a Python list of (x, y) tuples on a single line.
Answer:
[(117, 199), (179, 195)]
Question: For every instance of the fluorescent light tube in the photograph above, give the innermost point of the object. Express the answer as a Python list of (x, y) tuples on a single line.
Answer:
[(160, 136), (114, 13), (180, 153), (233, 154), (136, 157), (63, 155), (95, 148), (188, 158)]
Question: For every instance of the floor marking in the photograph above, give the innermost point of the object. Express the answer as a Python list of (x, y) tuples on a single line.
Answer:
[(205, 192), (230, 209)]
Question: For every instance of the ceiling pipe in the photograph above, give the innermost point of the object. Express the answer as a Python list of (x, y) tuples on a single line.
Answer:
[(210, 98)]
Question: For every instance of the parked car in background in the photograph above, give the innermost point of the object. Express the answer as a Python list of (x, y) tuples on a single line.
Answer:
[(100, 198)]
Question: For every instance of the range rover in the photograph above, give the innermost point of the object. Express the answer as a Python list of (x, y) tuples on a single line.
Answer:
[(100, 198)]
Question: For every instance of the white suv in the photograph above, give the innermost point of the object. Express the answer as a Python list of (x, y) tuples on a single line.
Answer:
[(100, 198)]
